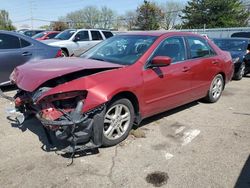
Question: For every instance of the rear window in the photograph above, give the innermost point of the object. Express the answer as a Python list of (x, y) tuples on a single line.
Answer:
[(241, 34), (107, 34), (231, 44), (96, 35)]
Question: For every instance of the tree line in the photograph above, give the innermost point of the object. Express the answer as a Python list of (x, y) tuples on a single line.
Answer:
[(152, 16)]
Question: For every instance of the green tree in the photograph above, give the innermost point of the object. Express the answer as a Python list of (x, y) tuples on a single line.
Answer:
[(171, 11), (59, 26), (214, 13), (130, 19), (107, 17), (5, 22), (45, 27), (149, 16)]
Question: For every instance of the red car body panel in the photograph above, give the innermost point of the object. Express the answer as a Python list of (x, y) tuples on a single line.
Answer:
[(170, 87), (41, 73)]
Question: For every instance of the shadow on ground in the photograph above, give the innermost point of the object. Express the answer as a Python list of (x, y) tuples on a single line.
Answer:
[(55, 145), (8, 88), (49, 142), (167, 113), (244, 177)]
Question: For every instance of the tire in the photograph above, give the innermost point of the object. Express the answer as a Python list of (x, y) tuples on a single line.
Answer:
[(215, 90), (241, 72), (64, 53), (116, 123)]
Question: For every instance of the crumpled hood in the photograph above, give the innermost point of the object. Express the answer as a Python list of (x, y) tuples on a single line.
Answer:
[(33, 74)]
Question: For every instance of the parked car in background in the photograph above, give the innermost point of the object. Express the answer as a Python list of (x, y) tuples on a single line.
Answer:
[(241, 35), (17, 49), (239, 50), (74, 42), (46, 35), (31, 33), (96, 99), (21, 30)]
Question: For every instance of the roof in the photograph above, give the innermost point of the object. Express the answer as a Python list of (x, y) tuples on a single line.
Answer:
[(158, 33)]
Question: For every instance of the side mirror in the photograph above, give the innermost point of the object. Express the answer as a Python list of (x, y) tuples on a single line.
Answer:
[(76, 39), (160, 61)]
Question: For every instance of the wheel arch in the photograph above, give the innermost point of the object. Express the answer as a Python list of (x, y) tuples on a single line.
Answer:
[(224, 78), (65, 49), (134, 100)]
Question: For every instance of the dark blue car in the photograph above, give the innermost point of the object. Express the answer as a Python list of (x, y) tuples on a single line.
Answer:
[(17, 49), (239, 50)]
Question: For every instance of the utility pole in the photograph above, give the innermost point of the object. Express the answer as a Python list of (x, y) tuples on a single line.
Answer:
[(31, 14)]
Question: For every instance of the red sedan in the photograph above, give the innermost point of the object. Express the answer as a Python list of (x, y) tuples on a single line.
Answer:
[(46, 35), (94, 100)]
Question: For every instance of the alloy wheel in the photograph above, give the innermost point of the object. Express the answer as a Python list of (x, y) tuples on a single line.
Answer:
[(217, 88), (116, 121)]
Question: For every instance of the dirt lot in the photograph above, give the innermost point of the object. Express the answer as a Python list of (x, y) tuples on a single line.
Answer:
[(197, 145)]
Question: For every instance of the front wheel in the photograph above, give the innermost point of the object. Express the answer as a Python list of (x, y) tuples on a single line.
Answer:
[(118, 121), (215, 89)]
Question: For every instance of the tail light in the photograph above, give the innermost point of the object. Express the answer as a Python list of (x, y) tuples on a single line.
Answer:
[(59, 53)]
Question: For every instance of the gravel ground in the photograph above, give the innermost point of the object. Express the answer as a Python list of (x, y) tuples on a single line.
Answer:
[(196, 145)]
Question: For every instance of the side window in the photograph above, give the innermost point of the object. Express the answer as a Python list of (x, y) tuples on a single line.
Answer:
[(83, 35), (9, 42), (52, 35), (172, 47), (24, 43), (107, 34), (199, 47), (96, 35)]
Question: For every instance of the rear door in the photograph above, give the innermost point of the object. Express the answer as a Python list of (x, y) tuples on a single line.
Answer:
[(96, 37), (205, 65), (168, 87), (12, 54), (83, 42)]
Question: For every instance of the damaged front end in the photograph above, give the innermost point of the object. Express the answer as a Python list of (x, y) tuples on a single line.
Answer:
[(62, 114)]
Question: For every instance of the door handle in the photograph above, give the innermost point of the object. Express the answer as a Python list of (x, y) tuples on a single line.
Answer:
[(26, 54), (186, 69), (215, 62)]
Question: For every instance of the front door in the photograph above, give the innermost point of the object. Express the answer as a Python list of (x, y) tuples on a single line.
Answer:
[(168, 87)]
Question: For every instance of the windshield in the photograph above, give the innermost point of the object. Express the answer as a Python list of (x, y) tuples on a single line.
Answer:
[(38, 35), (65, 35), (231, 44), (121, 49)]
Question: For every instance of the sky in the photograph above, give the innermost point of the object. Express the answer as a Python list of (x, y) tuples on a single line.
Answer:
[(21, 11)]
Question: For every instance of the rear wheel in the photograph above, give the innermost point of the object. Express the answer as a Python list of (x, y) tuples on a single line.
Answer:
[(118, 120), (215, 89), (64, 53), (241, 72)]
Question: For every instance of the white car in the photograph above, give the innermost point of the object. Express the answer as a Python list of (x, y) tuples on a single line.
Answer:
[(74, 42)]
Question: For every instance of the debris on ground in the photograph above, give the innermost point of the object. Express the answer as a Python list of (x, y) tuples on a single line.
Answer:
[(138, 133)]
